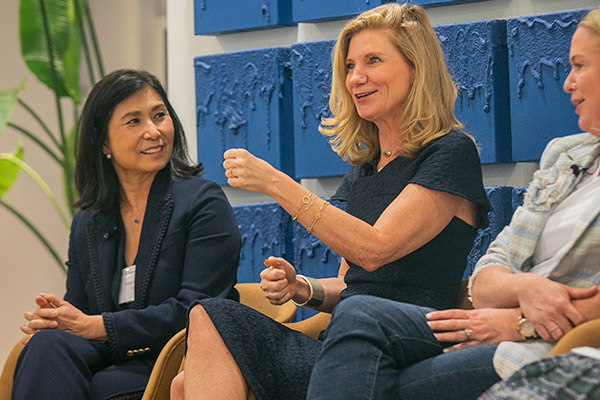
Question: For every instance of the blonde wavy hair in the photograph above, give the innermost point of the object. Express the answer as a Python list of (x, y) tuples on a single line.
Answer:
[(429, 110), (592, 22)]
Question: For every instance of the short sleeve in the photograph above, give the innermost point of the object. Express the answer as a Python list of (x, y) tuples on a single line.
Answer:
[(451, 164), (345, 189)]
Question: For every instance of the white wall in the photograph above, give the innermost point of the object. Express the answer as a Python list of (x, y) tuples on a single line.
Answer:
[(131, 34)]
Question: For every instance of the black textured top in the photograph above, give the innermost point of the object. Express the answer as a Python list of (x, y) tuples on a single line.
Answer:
[(430, 276)]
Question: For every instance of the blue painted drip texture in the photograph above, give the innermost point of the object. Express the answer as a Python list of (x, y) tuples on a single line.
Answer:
[(538, 65), (505, 201), (311, 72), (468, 50), (239, 99), (264, 230), (476, 57), (541, 40), (319, 10), (216, 17)]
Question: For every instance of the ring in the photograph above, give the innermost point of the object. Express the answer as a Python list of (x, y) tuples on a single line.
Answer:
[(231, 173), (468, 333), (553, 329)]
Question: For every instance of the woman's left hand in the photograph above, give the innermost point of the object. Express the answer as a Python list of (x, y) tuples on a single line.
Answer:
[(472, 327), (244, 170), (63, 316)]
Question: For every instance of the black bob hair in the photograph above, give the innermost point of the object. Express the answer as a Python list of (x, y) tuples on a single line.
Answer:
[(95, 178)]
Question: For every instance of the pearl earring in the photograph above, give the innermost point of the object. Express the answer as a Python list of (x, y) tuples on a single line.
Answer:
[(108, 156)]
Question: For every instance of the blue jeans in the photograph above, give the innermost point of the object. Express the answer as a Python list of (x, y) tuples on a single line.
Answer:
[(381, 349)]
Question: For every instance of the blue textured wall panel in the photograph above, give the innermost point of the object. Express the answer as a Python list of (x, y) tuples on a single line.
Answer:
[(483, 97), (538, 49), (266, 231), (244, 99), (311, 71), (319, 10), (215, 17)]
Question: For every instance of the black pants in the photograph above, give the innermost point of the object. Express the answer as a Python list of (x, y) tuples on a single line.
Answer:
[(58, 365)]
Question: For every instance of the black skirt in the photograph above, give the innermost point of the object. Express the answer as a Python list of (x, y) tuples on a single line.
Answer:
[(276, 361)]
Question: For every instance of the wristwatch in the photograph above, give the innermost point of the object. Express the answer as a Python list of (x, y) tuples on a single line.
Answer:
[(526, 328)]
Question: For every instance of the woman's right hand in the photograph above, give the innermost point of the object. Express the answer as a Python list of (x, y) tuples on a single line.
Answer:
[(278, 281), (549, 305), (246, 171)]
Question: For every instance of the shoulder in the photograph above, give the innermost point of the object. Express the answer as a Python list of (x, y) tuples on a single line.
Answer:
[(194, 186), (582, 142), (453, 141)]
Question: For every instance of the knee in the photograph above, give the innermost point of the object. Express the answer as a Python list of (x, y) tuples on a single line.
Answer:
[(356, 308), (48, 341), (177, 387), (198, 317)]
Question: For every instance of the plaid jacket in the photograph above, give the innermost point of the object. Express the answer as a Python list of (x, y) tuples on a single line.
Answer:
[(579, 261)]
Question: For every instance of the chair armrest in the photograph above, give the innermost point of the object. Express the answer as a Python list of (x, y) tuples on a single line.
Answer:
[(311, 326), (165, 368), (6, 380), (586, 334)]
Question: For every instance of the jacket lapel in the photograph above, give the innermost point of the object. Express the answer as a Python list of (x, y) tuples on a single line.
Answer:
[(156, 221), (103, 241), (584, 156)]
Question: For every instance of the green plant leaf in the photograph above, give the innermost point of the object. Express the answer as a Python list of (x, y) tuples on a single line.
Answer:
[(65, 41), (9, 171), (8, 99), (69, 171)]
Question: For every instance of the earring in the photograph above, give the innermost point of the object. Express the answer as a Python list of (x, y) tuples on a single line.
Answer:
[(108, 156)]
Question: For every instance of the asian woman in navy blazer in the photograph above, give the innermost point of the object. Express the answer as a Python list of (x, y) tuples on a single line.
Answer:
[(151, 237)]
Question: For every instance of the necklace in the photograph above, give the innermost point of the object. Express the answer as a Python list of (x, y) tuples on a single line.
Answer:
[(386, 153), (137, 220)]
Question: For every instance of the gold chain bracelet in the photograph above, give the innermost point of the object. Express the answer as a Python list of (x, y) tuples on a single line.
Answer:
[(317, 216), (306, 201)]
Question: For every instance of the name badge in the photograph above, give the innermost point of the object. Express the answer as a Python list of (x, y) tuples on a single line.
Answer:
[(127, 290)]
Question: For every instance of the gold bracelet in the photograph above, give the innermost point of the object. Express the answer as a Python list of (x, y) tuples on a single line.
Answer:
[(306, 199), (317, 216)]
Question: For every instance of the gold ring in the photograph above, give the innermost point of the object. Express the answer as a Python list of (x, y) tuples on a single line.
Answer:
[(553, 329), (468, 334)]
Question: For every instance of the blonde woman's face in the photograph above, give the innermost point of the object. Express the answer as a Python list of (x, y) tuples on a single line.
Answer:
[(583, 82), (378, 77)]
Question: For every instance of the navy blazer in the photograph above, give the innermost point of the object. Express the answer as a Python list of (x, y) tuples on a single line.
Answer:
[(189, 250)]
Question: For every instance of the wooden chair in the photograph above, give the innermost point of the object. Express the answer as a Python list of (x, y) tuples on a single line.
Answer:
[(170, 358)]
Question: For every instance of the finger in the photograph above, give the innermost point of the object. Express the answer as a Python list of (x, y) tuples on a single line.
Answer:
[(27, 330), (46, 313), (582, 293), (275, 262), (448, 325), (447, 314), (25, 340), (575, 317), (38, 324), (41, 301), (462, 345), (450, 337), (53, 300), (555, 332), (235, 153), (272, 274)]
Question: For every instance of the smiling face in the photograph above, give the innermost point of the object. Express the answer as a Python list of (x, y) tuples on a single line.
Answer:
[(583, 82), (140, 135), (378, 77)]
